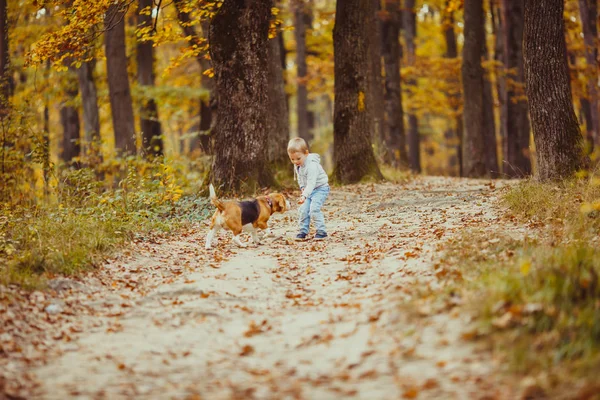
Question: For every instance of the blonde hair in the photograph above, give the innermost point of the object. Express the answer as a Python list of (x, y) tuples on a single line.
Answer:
[(297, 145)]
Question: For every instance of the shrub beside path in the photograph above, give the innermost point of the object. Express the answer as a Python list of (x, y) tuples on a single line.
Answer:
[(342, 318)]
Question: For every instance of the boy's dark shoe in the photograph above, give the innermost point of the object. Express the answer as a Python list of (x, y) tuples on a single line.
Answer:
[(320, 235), (301, 236)]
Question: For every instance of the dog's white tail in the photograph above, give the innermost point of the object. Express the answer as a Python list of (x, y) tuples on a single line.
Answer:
[(213, 198)]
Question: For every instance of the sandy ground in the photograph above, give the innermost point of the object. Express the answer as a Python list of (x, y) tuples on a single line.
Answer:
[(285, 320)]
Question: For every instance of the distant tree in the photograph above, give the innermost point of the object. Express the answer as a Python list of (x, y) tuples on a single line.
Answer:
[(91, 119), (410, 33), (118, 80), (208, 104), (558, 141), (278, 131), (239, 50), (69, 118), (377, 86), (474, 163), (394, 136), (6, 83), (353, 112), (516, 156), (150, 124), (452, 52), (489, 124), (302, 19), (589, 20)]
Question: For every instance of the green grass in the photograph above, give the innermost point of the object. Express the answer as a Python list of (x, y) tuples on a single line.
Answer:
[(83, 222), (537, 299)]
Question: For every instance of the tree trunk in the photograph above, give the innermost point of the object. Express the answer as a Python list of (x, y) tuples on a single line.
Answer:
[(69, 118), (516, 159), (376, 75), (410, 33), (278, 132), (300, 17), (556, 133), (353, 112), (474, 164), (499, 32), (91, 120), (118, 81), (489, 125), (6, 82), (239, 50), (452, 52), (589, 15), (151, 130), (208, 105), (394, 133)]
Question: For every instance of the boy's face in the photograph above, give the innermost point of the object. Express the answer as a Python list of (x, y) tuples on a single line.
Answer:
[(297, 157)]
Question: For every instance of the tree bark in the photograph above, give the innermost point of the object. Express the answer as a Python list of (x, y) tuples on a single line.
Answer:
[(91, 120), (353, 112), (118, 81), (410, 33), (278, 132), (516, 158), (6, 81), (452, 52), (556, 133), (301, 16), (239, 49), (589, 15), (208, 105), (150, 124), (394, 133), (474, 163), (69, 118), (489, 125), (376, 75)]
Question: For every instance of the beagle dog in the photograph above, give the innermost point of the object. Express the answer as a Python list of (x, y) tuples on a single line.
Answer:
[(244, 215)]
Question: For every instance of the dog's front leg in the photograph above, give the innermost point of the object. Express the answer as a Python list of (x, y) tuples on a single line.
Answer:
[(209, 237), (236, 240), (269, 233), (255, 238)]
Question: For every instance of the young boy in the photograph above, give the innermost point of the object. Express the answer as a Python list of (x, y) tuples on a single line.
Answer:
[(314, 184)]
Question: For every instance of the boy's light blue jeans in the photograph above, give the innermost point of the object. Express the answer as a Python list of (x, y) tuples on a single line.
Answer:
[(311, 209)]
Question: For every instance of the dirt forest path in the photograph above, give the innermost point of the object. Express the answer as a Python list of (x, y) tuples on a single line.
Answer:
[(284, 320)]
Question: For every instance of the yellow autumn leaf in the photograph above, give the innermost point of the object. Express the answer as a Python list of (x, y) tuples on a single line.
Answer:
[(525, 267), (361, 101)]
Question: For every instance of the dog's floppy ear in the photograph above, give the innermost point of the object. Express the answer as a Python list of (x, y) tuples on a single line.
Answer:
[(281, 202)]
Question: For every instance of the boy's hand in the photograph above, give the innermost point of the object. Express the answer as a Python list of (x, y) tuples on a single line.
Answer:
[(301, 200)]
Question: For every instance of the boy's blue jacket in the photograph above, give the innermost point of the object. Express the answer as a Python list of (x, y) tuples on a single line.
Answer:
[(311, 175)]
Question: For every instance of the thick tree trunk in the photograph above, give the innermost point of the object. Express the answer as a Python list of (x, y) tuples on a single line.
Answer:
[(489, 125), (278, 132), (353, 112), (301, 17), (499, 33), (69, 118), (589, 15), (452, 52), (558, 141), (394, 133), (516, 158), (118, 81), (239, 50), (152, 142), (410, 33), (474, 163)]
